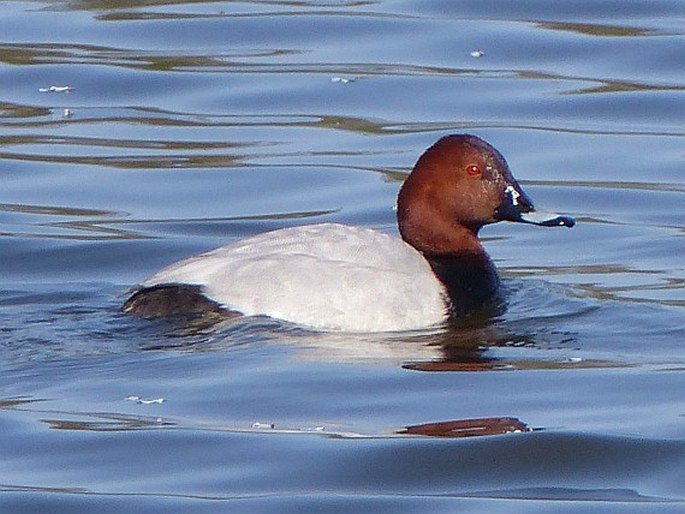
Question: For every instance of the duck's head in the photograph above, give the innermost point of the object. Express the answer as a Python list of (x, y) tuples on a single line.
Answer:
[(458, 185)]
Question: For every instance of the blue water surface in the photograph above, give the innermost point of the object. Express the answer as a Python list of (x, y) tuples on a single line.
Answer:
[(176, 127)]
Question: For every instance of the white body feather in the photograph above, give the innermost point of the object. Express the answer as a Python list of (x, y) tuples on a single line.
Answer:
[(327, 276)]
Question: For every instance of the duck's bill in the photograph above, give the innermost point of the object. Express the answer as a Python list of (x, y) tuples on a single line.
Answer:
[(546, 219), (517, 207)]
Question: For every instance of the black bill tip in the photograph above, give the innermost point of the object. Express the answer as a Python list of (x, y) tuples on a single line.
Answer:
[(547, 219)]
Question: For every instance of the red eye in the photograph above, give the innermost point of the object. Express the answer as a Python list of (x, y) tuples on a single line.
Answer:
[(473, 170)]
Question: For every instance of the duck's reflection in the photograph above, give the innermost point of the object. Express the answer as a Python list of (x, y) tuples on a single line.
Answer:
[(468, 427), (469, 347), (479, 345), (476, 344)]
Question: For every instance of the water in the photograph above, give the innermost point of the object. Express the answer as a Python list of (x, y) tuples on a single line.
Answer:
[(191, 125)]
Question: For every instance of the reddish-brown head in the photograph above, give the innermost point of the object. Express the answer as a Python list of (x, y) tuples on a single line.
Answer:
[(458, 185)]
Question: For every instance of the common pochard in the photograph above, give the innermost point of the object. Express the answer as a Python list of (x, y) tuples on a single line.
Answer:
[(336, 277)]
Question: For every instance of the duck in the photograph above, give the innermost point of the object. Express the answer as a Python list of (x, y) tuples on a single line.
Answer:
[(334, 277)]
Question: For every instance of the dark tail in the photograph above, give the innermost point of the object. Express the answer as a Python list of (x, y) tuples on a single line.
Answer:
[(169, 300)]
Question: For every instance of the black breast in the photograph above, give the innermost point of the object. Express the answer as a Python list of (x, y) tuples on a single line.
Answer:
[(471, 281)]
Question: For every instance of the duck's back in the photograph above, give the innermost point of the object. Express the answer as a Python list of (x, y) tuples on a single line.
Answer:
[(326, 276)]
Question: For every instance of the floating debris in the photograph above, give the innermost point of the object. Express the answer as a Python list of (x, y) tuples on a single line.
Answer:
[(139, 400), (56, 89), (477, 54), (257, 424), (342, 80)]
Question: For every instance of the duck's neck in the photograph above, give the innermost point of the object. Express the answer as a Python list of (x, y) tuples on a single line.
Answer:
[(470, 279), (456, 256)]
